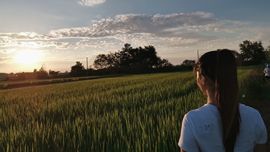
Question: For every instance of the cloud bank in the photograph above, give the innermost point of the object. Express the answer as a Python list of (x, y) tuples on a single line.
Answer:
[(137, 23), (173, 35), (140, 29), (91, 2)]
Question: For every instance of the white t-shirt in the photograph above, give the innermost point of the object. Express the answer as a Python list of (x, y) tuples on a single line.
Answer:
[(267, 72), (201, 130)]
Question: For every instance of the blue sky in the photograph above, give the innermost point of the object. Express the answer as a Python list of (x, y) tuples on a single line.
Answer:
[(61, 32)]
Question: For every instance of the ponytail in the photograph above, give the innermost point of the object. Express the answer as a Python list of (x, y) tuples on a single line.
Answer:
[(221, 67)]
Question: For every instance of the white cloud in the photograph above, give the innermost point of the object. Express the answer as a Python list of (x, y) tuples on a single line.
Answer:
[(171, 30), (91, 2), (137, 23), (29, 40), (24, 36)]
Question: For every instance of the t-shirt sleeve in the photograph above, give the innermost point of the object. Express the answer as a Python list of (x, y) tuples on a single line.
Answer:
[(187, 140), (261, 132)]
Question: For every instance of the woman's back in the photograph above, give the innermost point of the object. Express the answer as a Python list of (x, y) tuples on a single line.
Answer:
[(202, 130)]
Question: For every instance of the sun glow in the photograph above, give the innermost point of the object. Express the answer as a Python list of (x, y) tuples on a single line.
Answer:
[(28, 59)]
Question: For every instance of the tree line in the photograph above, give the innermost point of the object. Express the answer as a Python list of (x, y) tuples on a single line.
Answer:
[(144, 60), (127, 60)]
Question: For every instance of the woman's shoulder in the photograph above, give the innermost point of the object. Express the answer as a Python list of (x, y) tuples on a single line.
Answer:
[(207, 111), (249, 114), (245, 109), (202, 111)]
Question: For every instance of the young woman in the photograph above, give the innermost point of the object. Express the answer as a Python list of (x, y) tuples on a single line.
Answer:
[(222, 124), (266, 71)]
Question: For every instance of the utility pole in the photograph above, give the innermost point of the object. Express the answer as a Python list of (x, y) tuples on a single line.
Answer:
[(198, 55), (87, 66), (86, 63)]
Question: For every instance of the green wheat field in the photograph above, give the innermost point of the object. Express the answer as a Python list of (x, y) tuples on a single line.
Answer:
[(128, 113)]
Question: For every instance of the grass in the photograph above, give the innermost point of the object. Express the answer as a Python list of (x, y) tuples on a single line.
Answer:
[(129, 113)]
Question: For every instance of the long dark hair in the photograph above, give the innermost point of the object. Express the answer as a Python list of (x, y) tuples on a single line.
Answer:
[(220, 66)]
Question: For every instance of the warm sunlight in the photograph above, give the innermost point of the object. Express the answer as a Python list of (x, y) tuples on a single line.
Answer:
[(28, 59)]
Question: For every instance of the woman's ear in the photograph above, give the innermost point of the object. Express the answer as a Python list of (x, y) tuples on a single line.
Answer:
[(201, 82), (200, 79)]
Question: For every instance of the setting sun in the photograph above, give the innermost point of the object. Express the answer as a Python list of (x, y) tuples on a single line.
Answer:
[(28, 59)]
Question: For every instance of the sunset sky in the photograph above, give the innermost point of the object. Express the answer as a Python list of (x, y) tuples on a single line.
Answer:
[(56, 33)]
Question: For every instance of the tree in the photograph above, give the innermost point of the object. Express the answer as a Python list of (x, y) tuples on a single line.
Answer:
[(130, 59), (53, 73), (268, 54), (42, 69), (150, 57), (163, 63), (104, 61), (188, 63), (101, 62), (252, 52), (141, 59), (41, 73), (77, 69)]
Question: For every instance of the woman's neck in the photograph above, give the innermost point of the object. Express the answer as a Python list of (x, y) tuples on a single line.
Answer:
[(211, 97)]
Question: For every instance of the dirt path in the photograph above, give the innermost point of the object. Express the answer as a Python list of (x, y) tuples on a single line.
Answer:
[(264, 109), (263, 105)]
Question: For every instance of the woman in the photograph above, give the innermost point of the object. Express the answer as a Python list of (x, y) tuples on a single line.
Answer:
[(222, 124), (266, 71)]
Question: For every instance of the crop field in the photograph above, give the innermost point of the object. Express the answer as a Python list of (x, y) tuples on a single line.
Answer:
[(127, 113)]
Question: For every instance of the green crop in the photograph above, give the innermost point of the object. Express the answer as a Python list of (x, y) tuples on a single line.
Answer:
[(128, 113)]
